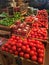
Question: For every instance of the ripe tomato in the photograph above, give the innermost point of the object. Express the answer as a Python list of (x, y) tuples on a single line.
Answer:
[(19, 45), (14, 48), (24, 48), (18, 49), (33, 48), (34, 58), (40, 51), (40, 60), (21, 54), (16, 52), (32, 53), (26, 56), (28, 50), (11, 51), (41, 55), (13, 37)]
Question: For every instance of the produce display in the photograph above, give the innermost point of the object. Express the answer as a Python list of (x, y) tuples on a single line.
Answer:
[(8, 21), (39, 33), (26, 48), (30, 19), (21, 28), (42, 16), (27, 33)]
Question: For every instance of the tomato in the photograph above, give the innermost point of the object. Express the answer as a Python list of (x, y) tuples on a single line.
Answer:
[(20, 41), (21, 54), (19, 45), (33, 48), (17, 38), (13, 37), (27, 46), (9, 46), (11, 51), (24, 48), (13, 43), (32, 53), (16, 52), (25, 42), (31, 44), (34, 58), (40, 60), (41, 55), (28, 50), (40, 51), (19, 49), (14, 48), (26, 56)]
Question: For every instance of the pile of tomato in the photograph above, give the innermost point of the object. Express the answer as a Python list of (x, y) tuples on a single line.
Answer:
[(42, 16), (26, 48)]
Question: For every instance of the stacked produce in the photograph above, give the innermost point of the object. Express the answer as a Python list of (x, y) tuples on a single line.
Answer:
[(30, 28), (21, 28), (42, 16), (8, 21), (39, 33), (30, 19), (26, 48)]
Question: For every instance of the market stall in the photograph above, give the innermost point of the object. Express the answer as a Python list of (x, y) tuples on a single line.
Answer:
[(23, 35)]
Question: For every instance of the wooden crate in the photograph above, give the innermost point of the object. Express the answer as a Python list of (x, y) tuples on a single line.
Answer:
[(11, 59), (5, 31), (2, 60), (6, 28), (15, 60)]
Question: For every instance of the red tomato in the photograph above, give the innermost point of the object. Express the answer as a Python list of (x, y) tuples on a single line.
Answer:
[(34, 48), (28, 50), (19, 49), (11, 51), (33, 41), (34, 58), (14, 48), (36, 53), (40, 51), (20, 41), (21, 54), (17, 38), (41, 55), (27, 46), (32, 53), (31, 44), (19, 45), (40, 60), (25, 42), (9, 46), (24, 48), (13, 37), (16, 52), (13, 43), (26, 56)]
